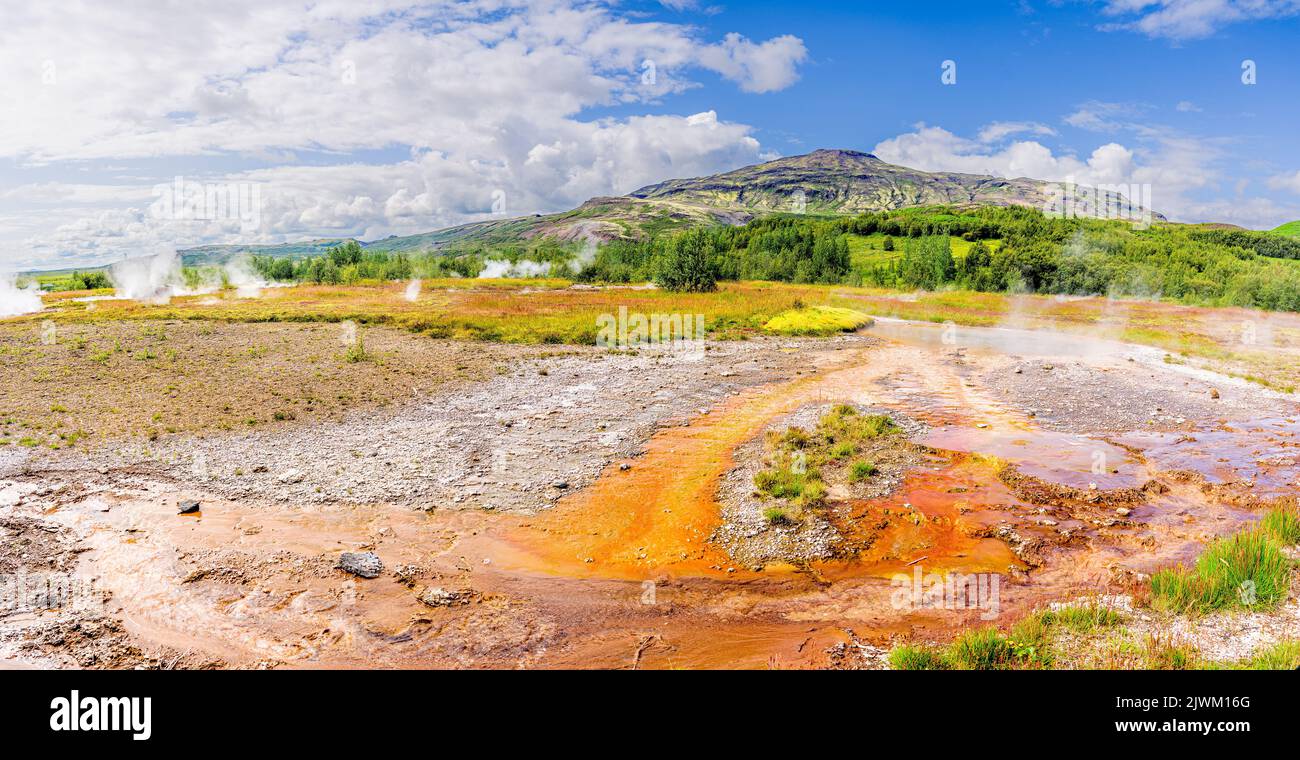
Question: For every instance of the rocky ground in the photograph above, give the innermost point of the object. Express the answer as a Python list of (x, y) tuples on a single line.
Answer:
[(1121, 395), (751, 539), (515, 442)]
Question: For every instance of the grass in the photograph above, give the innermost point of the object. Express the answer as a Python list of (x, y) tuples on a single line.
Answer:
[(868, 251), (1282, 655), (798, 458), (913, 657), (860, 471), (1084, 618), (1027, 646), (549, 311), (816, 321), (1290, 228), (1244, 570)]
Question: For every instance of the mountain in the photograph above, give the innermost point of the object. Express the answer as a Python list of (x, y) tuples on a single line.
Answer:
[(821, 182)]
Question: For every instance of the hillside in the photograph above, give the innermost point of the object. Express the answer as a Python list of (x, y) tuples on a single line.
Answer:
[(1290, 229), (830, 181)]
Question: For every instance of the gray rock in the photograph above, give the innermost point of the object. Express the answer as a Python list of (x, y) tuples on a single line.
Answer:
[(364, 564), (187, 507)]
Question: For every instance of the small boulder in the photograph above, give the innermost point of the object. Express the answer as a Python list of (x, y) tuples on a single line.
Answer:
[(441, 597), (363, 564), (1123, 511), (291, 476), (187, 507)]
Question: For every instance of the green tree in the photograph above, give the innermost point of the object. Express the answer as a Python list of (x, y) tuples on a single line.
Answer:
[(686, 263)]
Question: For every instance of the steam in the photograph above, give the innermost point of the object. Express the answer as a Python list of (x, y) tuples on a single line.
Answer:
[(496, 269), (15, 301), (413, 290), (152, 279), (585, 257), (159, 278), (244, 279)]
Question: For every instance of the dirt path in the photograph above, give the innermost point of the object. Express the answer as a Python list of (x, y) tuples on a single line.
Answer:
[(621, 571)]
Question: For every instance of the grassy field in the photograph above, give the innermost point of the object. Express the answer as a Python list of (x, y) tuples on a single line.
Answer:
[(1262, 347), (867, 251), (218, 361)]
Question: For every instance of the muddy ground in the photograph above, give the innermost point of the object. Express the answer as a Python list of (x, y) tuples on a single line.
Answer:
[(589, 509)]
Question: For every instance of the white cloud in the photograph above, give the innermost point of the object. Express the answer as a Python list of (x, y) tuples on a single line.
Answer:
[(1000, 130), (483, 96), (1286, 182), (1100, 116), (772, 65), (1179, 169), (1192, 19), (936, 149)]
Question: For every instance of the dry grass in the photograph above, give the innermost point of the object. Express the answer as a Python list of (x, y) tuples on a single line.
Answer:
[(142, 379)]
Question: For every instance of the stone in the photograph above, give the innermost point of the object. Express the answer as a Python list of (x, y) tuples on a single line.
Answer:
[(441, 597), (187, 507), (291, 476), (363, 564)]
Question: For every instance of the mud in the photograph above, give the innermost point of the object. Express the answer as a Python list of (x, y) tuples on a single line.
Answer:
[(637, 550)]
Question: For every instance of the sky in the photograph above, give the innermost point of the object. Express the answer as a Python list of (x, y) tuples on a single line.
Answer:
[(369, 118)]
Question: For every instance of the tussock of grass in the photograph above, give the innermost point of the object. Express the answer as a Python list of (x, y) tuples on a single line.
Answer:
[(1244, 570), (1028, 645), (1084, 618), (816, 321), (981, 649), (1283, 523), (913, 657), (1163, 653), (860, 471), (798, 456)]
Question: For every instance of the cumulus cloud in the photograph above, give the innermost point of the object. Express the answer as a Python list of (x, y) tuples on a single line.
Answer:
[(360, 118), (1191, 19), (936, 149), (1180, 169)]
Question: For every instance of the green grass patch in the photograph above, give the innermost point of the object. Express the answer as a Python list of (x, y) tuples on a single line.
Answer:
[(1244, 570), (1028, 645), (860, 471), (913, 657)]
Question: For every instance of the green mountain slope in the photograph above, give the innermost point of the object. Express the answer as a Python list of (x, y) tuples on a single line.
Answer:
[(1290, 229)]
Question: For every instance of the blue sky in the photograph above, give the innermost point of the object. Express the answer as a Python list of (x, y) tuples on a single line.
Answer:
[(393, 117)]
